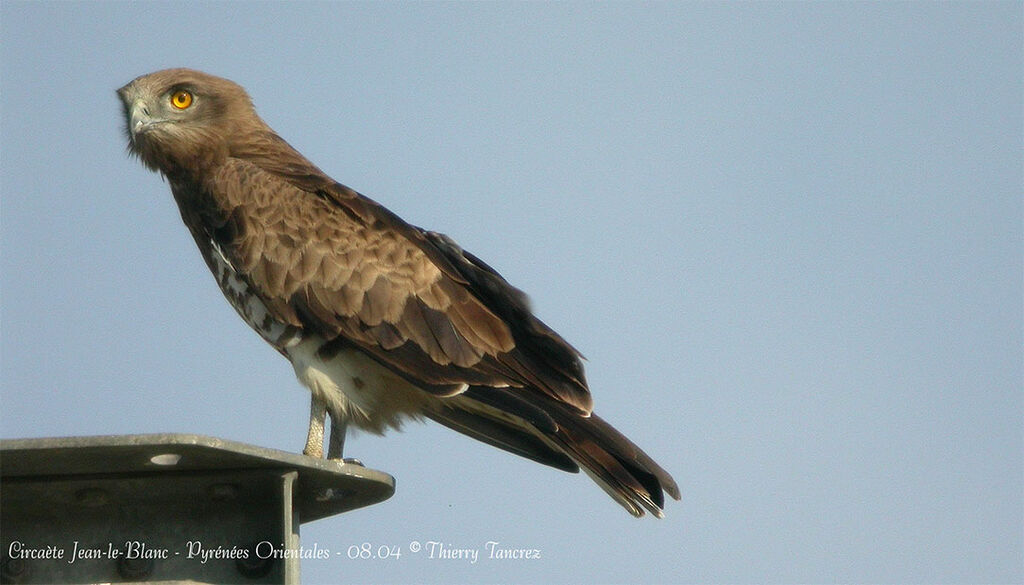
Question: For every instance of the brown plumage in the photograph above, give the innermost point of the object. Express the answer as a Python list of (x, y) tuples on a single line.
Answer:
[(381, 320)]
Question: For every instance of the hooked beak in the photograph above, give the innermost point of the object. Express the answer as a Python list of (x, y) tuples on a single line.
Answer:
[(140, 120)]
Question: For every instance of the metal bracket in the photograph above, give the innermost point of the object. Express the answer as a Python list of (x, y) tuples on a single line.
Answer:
[(166, 508)]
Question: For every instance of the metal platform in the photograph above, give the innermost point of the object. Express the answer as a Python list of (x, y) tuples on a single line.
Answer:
[(166, 508)]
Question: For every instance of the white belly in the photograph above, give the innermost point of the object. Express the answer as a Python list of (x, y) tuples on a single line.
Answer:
[(356, 388)]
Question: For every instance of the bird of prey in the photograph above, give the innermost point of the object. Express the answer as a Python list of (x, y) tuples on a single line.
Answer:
[(381, 320)]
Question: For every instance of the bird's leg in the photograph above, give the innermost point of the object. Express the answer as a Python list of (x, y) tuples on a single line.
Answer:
[(338, 427), (337, 440), (315, 438)]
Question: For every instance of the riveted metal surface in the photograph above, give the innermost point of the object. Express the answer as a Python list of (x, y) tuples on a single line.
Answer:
[(159, 508)]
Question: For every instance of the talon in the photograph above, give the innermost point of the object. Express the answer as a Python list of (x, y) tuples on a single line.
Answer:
[(352, 461)]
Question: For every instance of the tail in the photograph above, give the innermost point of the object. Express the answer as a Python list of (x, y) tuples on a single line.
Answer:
[(551, 433)]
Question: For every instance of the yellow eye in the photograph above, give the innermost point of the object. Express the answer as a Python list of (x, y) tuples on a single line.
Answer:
[(181, 99)]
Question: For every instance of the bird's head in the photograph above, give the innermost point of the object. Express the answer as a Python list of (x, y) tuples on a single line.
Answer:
[(180, 119)]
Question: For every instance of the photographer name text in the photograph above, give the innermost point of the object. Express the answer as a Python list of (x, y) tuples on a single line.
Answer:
[(433, 550)]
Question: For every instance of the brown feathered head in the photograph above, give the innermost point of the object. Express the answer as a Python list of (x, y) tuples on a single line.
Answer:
[(180, 120)]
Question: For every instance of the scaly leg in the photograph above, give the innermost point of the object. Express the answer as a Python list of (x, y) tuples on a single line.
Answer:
[(315, 438), (338, 427), (337, 440)]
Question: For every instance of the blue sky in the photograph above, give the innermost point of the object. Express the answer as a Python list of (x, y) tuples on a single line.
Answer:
[(788, 238)]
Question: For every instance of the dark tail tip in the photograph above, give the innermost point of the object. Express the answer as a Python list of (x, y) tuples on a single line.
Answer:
[(621, 468)]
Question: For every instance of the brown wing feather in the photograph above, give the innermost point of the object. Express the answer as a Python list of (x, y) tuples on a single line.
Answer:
[(342, 265)]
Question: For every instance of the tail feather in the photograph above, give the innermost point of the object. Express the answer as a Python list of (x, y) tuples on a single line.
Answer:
[(503, 433), (625, 472), (562, 438)]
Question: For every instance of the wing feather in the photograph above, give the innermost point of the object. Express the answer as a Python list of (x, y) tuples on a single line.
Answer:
[(342, 265)]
